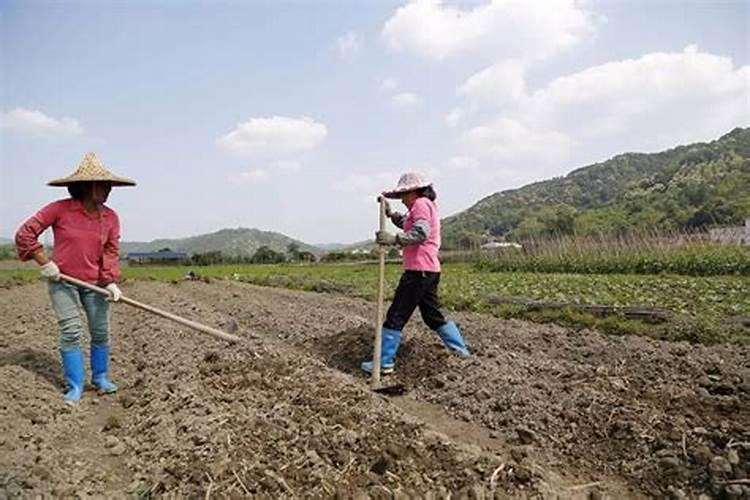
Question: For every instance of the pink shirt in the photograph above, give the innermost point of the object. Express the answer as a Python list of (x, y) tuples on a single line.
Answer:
[(87, 246), (423, 256)]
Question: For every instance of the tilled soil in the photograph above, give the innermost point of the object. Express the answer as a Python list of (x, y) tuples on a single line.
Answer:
[(537, 411)]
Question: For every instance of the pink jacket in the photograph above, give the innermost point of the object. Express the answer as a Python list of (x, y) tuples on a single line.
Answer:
[(87, 246)]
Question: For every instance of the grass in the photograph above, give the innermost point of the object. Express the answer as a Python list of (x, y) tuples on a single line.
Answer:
[(706, 308), (641, 253)]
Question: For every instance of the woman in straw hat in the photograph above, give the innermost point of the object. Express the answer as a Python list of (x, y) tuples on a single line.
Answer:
[(419, 283), (87, 247)]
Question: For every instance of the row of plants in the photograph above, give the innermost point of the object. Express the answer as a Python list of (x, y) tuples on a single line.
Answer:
[(644, 253)]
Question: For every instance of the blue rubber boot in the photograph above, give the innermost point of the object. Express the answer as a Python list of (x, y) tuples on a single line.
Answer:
[(452, 338), (389, 346), (99, 367), (72, 362)]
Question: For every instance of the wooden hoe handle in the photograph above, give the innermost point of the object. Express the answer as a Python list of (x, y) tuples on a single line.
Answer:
[(164, 314), (379, 320)]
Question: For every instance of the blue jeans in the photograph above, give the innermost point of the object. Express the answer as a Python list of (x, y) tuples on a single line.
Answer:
[(67, 300)]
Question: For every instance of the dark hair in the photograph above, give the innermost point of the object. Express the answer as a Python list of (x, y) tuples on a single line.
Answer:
[(427, 192), (79, 190)]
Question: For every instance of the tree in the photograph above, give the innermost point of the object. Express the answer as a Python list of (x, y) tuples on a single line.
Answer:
[(306, 256), (293, 250), (468, 241), (206, 258), (501, 228), (335, 257), (558, 220), (714, 213), (266, 255)]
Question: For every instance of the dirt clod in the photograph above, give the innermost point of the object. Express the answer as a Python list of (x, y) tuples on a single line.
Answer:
[(380, 466), (526, 435), (734, 491), (519, 453), (596, 495), (112, 422), (719, 467)]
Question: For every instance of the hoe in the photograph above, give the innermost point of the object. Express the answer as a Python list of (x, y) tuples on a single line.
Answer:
[(377, 385), (164, 314)]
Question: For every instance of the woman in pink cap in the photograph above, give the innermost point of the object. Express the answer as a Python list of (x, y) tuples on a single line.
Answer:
[(87, 247), (418, 286)]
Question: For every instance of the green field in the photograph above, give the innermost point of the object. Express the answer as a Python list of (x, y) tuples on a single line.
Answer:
[(706, 308), (691, 259)]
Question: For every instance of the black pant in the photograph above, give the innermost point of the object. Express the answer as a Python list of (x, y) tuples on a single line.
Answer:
[(416, 288)]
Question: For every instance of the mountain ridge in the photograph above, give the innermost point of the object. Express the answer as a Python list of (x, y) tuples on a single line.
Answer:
[(231, 242), (686, 187)]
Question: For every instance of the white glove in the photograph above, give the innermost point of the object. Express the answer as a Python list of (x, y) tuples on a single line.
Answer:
[(114, 291), (386, 238), (50, 271)]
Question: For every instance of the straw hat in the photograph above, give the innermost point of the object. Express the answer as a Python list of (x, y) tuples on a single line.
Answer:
[(92, 170), (410, 181)]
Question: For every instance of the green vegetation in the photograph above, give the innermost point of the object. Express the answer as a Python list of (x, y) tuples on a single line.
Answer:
[(7, 252), (263, 255), (359, 256), (706, 308), (643, 253), (686, 188)]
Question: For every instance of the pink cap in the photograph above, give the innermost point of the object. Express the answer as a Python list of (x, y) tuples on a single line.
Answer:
[(410, 181)]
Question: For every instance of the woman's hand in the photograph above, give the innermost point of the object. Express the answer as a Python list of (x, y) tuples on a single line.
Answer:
[(50, 271), (388, 211), (114, 291), (385, 238)]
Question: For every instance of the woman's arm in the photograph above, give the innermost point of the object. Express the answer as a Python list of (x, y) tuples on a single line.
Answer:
[(397, 219), (110, 271), (419, 232), (27, 236), (40, 257)]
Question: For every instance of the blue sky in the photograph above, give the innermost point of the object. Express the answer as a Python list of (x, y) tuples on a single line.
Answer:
[(292, 116)]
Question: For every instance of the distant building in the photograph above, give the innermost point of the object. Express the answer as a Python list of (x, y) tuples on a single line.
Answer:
[(491, 245), (736, 234), (163, 256)]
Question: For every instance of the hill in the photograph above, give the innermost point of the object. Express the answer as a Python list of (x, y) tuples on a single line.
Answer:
[(240, 242), (687, 187)]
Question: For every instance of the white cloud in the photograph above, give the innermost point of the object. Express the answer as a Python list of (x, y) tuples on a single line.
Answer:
[(368, 185), (287, 165), (254, 176), (647, 104), (454, 116), (405, 99), (463, 163), (506, 138), (275, 136), (36, 122), (516, 29), (502, 82), (348, 44), (389, 84)]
